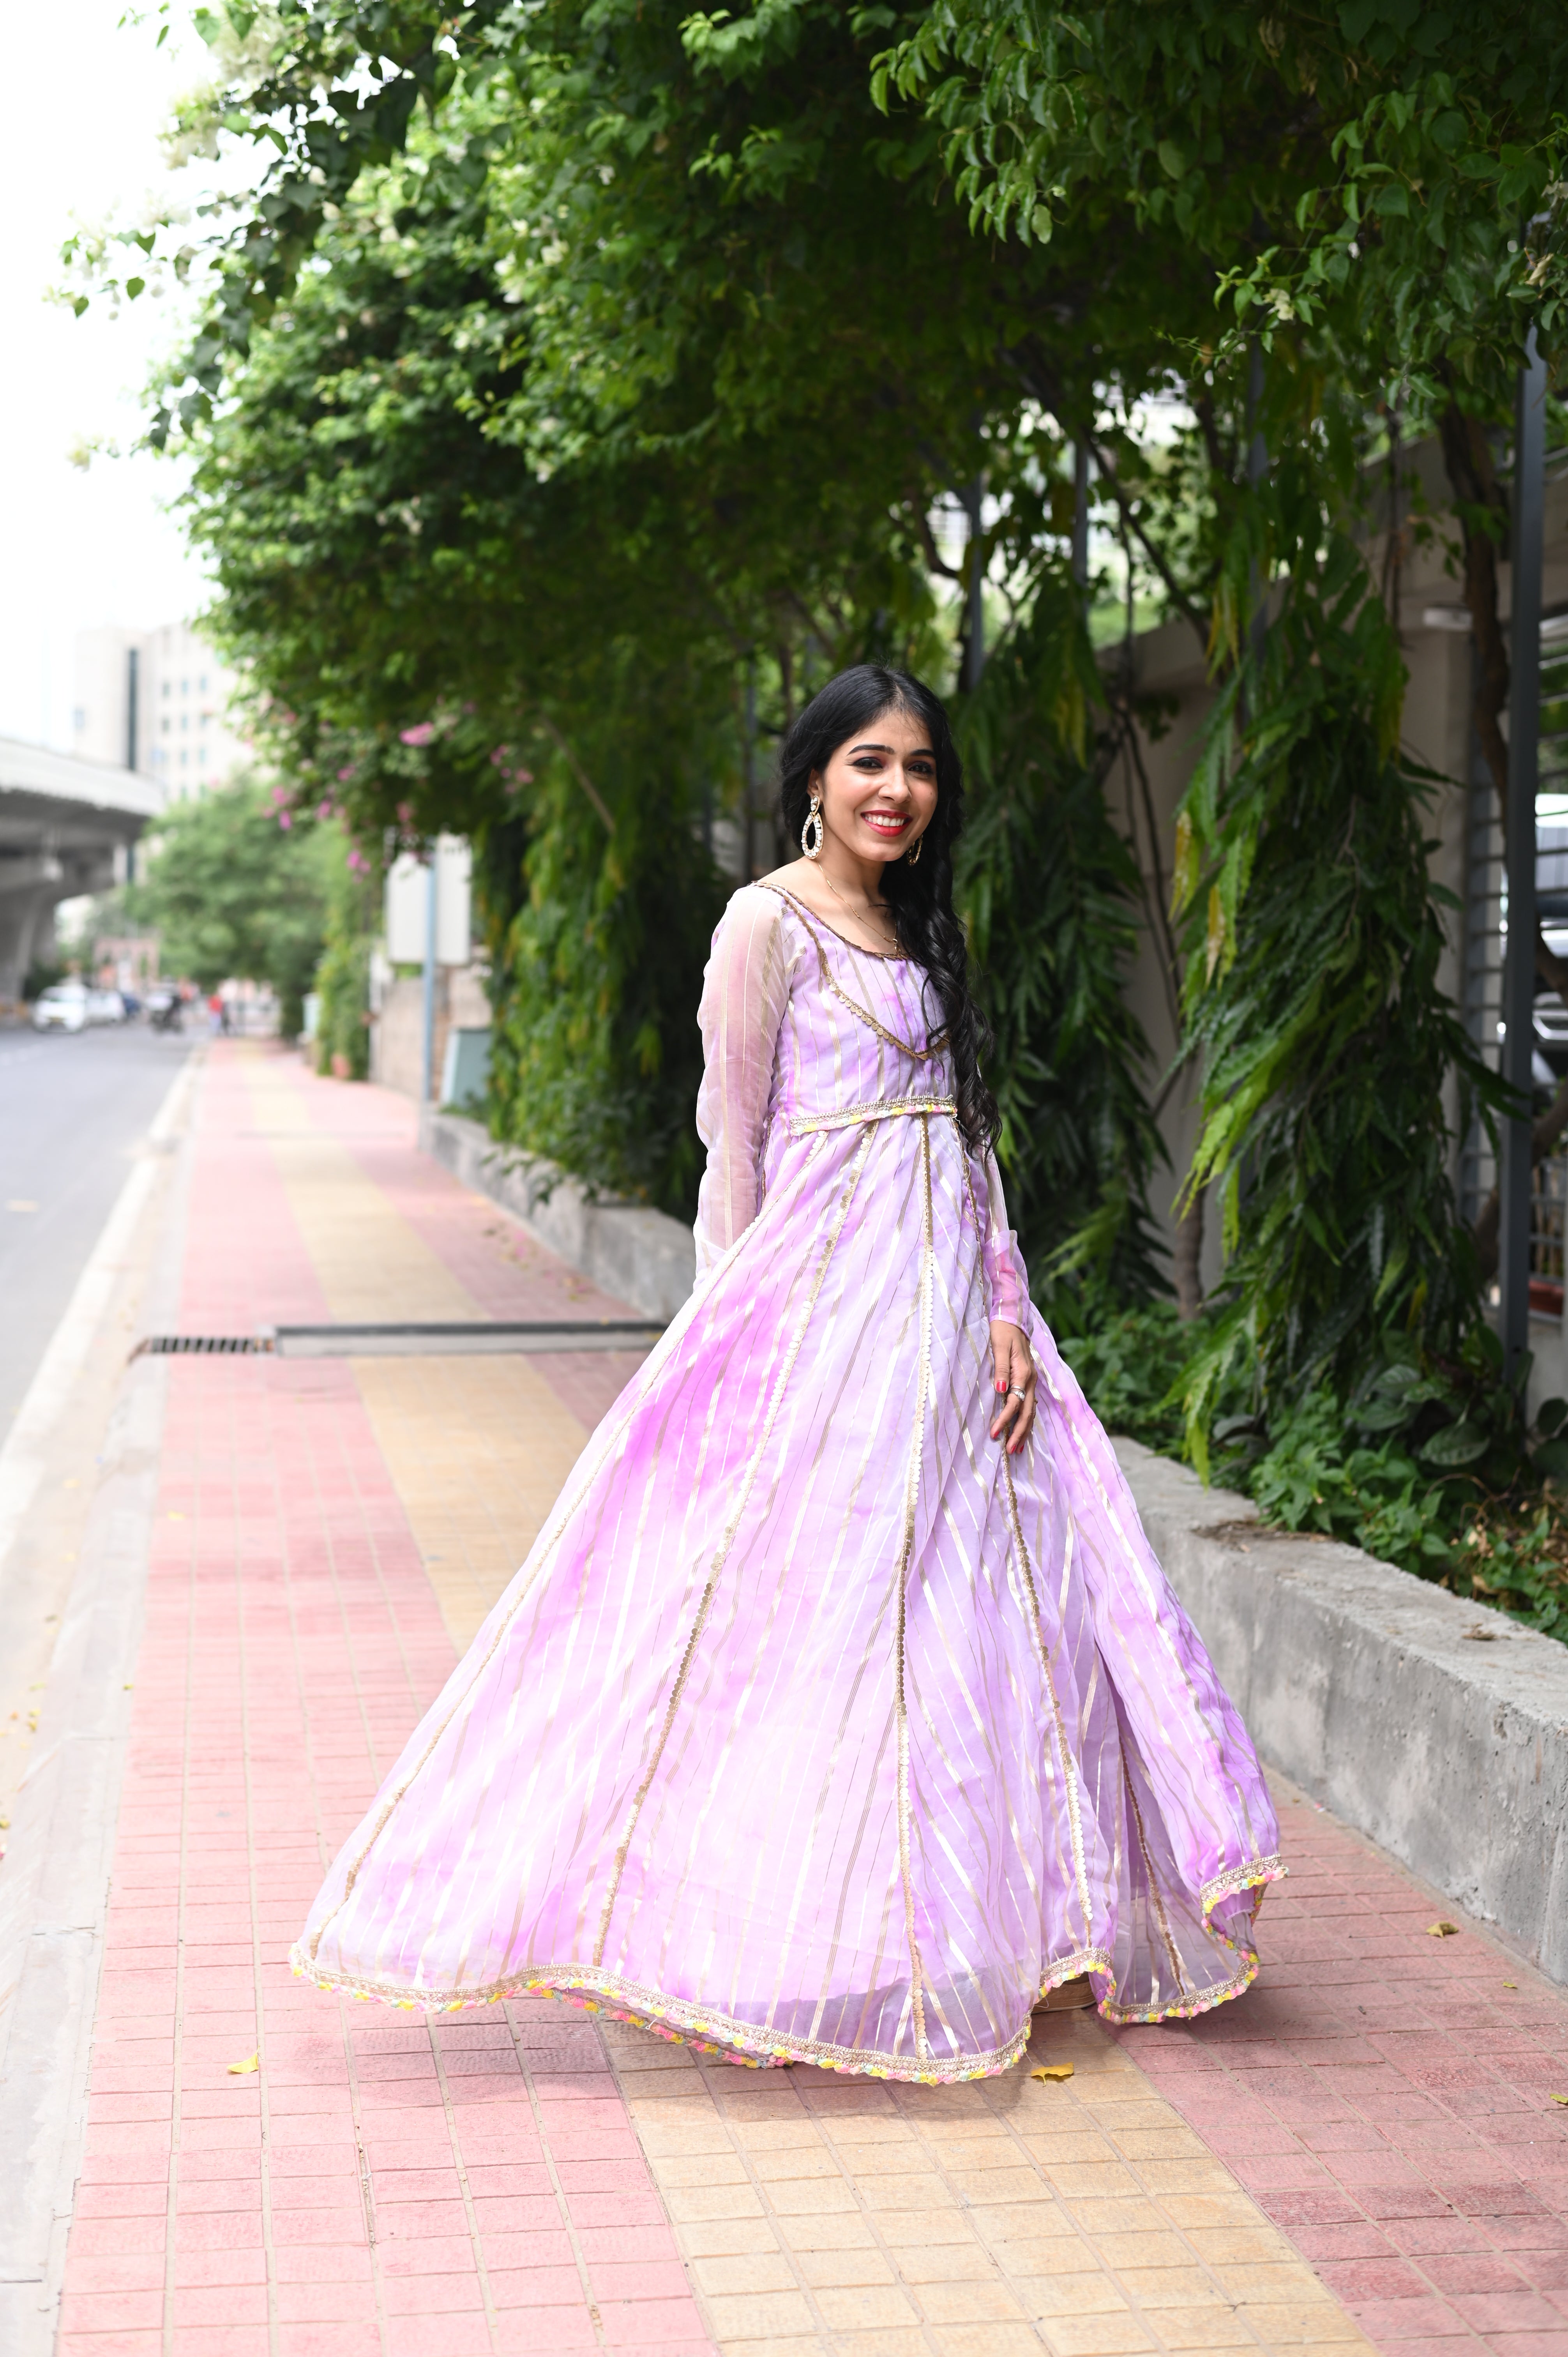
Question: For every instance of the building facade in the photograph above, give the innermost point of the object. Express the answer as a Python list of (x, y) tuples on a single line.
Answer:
[(159, 701)]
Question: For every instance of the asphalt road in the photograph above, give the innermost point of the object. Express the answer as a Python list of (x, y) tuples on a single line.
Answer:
[(71, 1112)]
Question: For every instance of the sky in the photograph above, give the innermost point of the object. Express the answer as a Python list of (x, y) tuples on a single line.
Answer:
[(79, 548)]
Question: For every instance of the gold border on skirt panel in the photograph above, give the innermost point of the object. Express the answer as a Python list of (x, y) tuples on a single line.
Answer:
[(578, 1984)]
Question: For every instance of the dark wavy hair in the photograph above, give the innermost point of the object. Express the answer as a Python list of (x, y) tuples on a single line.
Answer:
[(920, 897)]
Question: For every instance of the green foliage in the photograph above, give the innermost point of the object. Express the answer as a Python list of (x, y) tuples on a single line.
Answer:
[(343, 975), (1362, 172), (233, 893), (1050, 895), (1314, 939), (596, 1055), (1429, 1466), (1131, 1363)]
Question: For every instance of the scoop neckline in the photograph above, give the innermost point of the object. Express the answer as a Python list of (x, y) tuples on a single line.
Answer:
[(884, 957)]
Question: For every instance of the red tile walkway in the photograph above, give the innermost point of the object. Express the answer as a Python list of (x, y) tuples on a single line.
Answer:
[(1388, 2098)]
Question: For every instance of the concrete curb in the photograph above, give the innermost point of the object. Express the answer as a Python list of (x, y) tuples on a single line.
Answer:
[(1437, 1727), (641, 1257)]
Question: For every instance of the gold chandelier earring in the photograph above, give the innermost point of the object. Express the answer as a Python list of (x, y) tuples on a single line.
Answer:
[(913, 853), (813, 827)]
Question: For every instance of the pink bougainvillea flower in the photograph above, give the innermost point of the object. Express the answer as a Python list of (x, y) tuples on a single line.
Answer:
[(323, 810), (343, 775), (285, 820), (420, 736)]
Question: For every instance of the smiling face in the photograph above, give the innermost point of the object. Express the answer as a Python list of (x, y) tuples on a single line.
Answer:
[(879, 787)]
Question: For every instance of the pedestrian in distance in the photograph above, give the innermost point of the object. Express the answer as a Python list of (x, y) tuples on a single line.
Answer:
[(842, 1713)]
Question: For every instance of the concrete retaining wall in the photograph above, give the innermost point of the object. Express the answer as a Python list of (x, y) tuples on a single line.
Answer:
[(641, 1257), (1438, 1727)]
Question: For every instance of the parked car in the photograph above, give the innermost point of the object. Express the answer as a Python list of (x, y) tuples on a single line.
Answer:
[(105, 1006), (62, 1007)]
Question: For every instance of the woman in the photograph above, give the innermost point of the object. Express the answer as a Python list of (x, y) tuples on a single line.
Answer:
[(841, 1713)]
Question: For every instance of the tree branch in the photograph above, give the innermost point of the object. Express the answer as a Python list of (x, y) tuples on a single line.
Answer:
[(540, 721)]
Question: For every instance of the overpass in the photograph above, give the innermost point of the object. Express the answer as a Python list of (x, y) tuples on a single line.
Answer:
[(62, 821)]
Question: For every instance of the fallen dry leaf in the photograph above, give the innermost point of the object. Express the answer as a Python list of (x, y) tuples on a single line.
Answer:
[(1511, 1984), (1440, 1931), (250, 2063), (1557, 2099), (1053, 2071)]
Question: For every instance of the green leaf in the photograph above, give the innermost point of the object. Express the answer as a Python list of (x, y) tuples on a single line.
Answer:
[(1456, 1444), (1383, 1415), (1551, 1460), (1552, 1416), (1171, 159)]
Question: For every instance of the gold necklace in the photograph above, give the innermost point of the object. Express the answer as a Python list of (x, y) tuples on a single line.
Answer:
[(860, 916)]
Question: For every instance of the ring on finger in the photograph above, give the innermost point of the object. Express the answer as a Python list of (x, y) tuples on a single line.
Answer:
[(1014, 1393)]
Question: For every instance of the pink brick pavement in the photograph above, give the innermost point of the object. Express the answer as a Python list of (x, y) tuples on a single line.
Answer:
[(382, 2188), (1387, 2098), (379, 2185)]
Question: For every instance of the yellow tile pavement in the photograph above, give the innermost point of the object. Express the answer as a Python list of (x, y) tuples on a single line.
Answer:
[(479, 1449), (370, 1264), (860, 2215)]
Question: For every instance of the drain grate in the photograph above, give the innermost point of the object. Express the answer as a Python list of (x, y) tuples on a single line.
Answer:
[(410, 1340)]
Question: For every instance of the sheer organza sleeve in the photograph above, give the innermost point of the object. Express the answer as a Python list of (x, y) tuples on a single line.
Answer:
[(744, 992), (1005, 1276)]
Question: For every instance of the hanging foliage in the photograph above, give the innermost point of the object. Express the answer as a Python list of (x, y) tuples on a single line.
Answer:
[(1329, 1054), (1050, 894)]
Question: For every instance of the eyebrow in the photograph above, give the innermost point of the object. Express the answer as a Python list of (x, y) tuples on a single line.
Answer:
[(918, 750)]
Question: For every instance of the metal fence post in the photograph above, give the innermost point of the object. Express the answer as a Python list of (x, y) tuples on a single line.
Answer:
[(427, 1059), (1519, 962)]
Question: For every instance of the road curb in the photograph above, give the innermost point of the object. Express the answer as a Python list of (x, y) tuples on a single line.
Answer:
[(630, 1251), (1437, 1727)]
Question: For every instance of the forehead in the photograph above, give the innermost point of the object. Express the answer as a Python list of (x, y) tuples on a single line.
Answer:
[(902, 732)]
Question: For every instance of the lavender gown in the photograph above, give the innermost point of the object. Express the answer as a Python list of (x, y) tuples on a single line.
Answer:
[(815, 1727)]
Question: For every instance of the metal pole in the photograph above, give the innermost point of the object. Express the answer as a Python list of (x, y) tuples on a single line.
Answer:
[(1524, 753), (427, 1062)]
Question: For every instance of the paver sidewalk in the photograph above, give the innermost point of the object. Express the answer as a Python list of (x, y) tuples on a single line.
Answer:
[(1366, 2147)]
